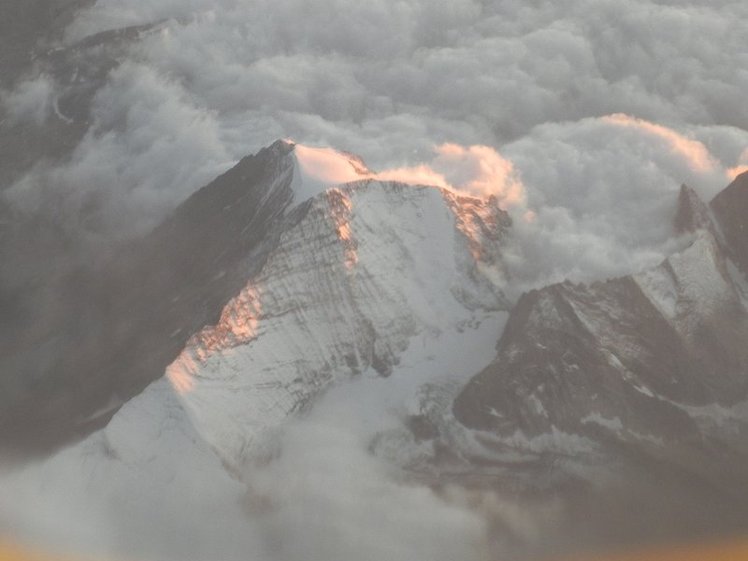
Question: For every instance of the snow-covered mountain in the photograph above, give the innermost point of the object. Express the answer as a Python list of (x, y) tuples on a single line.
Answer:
[(640, 380), (369, 268), (642, 353), (298, 282), (361, 279)]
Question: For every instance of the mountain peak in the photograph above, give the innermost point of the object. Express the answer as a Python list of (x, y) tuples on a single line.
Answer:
[(693, 213)]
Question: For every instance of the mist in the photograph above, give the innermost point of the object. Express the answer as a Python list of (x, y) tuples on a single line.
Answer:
[(321, 495)]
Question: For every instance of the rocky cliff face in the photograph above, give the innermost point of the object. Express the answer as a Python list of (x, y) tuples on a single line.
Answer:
[(668, 338), (635, 351), (640, 380), (730, 208)]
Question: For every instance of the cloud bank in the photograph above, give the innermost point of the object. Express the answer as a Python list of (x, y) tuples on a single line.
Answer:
[(582, 113)]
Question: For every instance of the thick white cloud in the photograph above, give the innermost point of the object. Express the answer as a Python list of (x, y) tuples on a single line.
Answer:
[(391, 80), (585, 118), (328, 498), (601, 193), (141, 122), (322, 497), (742, 166)]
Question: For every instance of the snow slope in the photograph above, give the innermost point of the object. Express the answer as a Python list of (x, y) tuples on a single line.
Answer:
[(371, 266), (381, 285)]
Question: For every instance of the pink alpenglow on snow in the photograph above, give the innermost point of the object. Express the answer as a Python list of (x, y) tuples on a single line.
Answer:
[(476, 170)]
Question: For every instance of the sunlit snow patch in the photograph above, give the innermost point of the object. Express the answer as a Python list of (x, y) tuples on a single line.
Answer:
[(317, 169)]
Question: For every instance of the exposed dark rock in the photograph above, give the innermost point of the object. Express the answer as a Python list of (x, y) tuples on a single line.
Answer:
[(112, 328), (731, 210), (650, 370)]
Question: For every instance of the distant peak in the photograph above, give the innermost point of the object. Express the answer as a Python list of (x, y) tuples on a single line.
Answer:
[(281, 146), (693, 213)]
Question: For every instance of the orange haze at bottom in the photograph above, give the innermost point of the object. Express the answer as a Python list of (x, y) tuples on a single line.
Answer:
[(723, 551), (14, 553), (10, 551)]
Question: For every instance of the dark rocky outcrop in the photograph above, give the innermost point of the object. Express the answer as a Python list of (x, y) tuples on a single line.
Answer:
[(107, 330), (731, 209)]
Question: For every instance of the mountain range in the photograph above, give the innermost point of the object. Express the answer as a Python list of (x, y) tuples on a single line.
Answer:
[(619, 406)]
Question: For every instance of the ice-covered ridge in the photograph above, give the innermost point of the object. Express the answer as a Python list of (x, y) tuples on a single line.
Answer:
[(691, 285), (318, 168)]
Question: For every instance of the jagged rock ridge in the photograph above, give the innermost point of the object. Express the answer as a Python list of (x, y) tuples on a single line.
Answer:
[(641, 378)]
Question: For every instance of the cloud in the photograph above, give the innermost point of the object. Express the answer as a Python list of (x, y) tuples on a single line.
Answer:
[(694, 153), (149, 488), (741, 167), (117, 181), (602, 193), (220, 79), (476, 170), (31, 101), (328, 498)]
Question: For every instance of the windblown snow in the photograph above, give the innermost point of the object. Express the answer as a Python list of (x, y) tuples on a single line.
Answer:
[(317, 169)]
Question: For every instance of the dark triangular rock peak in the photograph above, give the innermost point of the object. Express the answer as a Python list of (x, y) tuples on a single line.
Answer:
[(693, 213), (240, 192), (280, 147), (731, 210), (555, 364)]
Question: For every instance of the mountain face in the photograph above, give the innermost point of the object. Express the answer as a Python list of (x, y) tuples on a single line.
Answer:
[(184, 356), (366, 279), (647, 371), (121, 323), (665, 339), (113, 326), (730, 208), (370, 267)]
